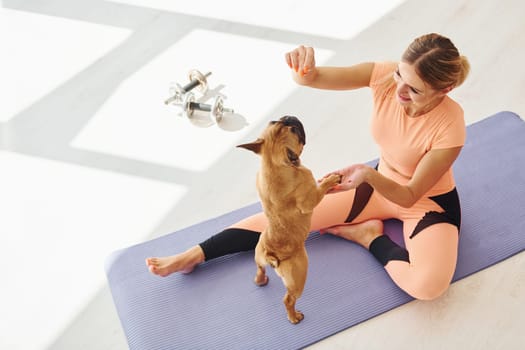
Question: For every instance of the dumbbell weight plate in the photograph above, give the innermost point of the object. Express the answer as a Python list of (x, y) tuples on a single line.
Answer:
[(187, 111), (217, 108), (176, 92), (203, 82)]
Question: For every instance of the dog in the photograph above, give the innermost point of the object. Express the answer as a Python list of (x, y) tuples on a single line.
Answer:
[(289, 193)]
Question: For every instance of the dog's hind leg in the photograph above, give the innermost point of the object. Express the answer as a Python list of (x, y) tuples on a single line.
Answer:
[(294, 316), (293, 273), (260, 277)]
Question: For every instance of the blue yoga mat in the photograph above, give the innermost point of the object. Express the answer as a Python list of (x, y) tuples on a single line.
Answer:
[(219, 307)]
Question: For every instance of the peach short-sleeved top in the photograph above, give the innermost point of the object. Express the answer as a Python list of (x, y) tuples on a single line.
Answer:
[(404, 140)]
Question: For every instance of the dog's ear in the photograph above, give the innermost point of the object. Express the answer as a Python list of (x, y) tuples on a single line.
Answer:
[(254, 146)]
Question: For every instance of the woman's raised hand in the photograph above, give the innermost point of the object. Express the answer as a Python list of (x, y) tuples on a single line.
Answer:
[(301, 60)]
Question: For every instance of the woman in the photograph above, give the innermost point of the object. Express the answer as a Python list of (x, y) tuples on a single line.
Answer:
[(420, 131)]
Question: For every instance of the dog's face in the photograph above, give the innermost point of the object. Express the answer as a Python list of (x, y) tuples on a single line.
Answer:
[(283, 139)]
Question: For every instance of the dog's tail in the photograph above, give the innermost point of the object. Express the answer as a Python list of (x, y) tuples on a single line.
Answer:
[(272, 260)]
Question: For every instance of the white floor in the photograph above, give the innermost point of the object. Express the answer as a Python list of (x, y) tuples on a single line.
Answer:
[(91, 160)]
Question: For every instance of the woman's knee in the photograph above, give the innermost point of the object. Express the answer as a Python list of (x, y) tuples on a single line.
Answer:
[(433, 258), (429, 287)]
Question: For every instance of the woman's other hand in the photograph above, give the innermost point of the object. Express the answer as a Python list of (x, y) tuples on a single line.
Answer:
[(351, 177)]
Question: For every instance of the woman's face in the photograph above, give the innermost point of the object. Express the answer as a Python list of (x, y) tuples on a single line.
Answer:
[(411, 91)]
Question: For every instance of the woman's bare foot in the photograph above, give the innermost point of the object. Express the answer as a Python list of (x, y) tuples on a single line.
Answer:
[(183, 262), (363, 233)]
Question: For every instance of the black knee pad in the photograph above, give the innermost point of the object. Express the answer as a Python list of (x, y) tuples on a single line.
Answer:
[(384, 250), (229, 241)]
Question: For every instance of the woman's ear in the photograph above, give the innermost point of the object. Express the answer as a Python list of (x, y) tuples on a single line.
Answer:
[(447, 90)]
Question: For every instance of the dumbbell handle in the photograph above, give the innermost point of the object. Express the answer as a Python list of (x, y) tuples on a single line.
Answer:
[(192, 84), (216, 109), (196, 79), (200, 106), (206, 108)]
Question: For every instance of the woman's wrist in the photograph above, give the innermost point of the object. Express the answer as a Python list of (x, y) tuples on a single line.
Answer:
[(370, 174), (305, 78)]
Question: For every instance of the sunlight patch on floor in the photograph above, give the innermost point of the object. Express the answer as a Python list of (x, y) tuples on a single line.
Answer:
[(59, 223), (39, 53)]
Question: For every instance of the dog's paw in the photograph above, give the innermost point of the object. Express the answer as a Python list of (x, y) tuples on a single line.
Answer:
[(333, 179), (338, 178), (296, 317), (261, 280)]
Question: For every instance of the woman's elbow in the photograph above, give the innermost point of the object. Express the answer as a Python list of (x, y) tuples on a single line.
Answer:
[(407, 203), (409, 199)]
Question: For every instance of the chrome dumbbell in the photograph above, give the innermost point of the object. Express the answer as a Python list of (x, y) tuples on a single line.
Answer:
[(197, 79), (216, 109)]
